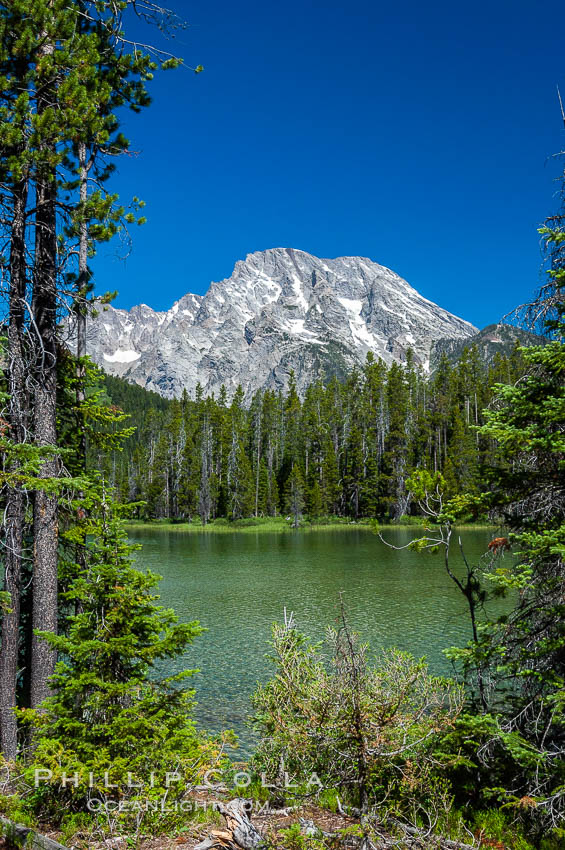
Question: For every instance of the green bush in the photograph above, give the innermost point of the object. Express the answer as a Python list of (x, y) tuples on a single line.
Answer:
[(368, 731)]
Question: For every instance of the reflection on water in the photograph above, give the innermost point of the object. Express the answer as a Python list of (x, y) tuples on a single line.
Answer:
[(238, 584)]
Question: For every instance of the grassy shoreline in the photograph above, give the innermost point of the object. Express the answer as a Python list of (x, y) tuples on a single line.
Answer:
[(275, 525)]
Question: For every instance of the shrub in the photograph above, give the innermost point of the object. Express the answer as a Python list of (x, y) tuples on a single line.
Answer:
[(371, 732)]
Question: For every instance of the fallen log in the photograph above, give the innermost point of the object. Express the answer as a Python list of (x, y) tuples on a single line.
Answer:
[(283, 813), (447, 843), (240, 833), (24, 836)]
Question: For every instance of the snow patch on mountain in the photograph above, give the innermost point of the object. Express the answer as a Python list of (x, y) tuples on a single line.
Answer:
[(122, 356)]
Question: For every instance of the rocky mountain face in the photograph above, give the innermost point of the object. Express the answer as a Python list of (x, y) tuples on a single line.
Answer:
[(281, 309), (492, 340)]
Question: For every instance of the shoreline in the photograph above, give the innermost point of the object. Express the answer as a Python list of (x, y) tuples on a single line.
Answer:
[(279, 526)]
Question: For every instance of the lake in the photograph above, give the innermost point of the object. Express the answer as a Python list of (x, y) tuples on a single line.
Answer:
[(238, 584)]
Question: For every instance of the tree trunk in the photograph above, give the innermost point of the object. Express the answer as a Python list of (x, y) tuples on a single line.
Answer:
[(240, 833), (258, 435), (45, 512), (15, 500), (81, 300), (80, 312)]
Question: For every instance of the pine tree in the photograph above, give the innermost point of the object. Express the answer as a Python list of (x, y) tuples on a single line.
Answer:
[(240, 481), (314, 502), (395, 465), (527, 647), (271, 450), (295, 495), (204, 491), (524, 650), (256, 443), (63, 70), (262, 502), (353, 470), (461, 467), (330, 479), (292, 418), (14, 69), (110, 711)]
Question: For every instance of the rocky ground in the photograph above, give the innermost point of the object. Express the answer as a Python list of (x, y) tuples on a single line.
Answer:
[(314, 829)]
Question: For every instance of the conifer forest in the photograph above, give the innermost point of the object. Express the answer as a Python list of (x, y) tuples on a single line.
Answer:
[(346, 449)]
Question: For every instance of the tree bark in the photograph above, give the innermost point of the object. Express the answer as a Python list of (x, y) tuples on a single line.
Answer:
[(15, 499), (82, 286), (80, 308), (240, 833), (27, 837), (45, 512)]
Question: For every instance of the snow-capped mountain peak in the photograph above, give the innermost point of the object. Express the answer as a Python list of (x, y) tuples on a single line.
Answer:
[(281, 309)]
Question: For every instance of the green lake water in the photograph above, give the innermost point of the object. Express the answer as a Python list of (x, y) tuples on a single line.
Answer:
[(238, 584)]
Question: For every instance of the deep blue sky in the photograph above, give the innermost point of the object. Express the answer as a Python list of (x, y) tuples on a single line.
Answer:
[(417, 134)]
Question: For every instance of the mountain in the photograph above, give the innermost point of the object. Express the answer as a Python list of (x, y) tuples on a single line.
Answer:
[(492, 340), (281, 309)]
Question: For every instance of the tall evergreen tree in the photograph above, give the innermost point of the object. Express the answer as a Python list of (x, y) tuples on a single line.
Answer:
[(295, 495), (64, 68)]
